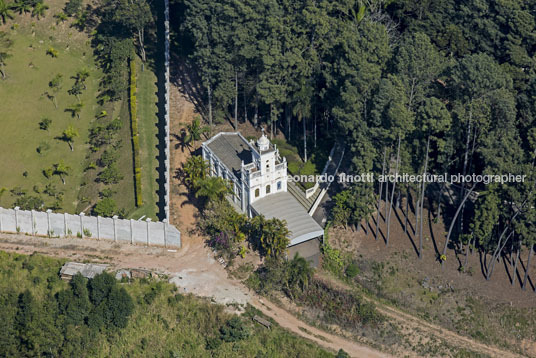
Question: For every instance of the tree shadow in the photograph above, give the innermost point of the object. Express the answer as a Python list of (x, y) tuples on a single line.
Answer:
[(407, 234)]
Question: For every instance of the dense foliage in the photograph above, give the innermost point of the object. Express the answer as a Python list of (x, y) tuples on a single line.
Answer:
[(415, 87)]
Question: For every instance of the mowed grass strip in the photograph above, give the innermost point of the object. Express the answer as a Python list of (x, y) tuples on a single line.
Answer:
[(24, 104), (148, 129)]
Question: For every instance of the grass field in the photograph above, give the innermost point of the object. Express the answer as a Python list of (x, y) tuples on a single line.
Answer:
[(24, 105)]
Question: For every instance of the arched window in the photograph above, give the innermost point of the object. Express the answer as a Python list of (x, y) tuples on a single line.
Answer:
[(267, 189), (257, 192), (267, 166), (278, 185)]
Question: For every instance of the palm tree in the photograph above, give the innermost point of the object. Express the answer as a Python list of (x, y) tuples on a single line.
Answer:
[(68, 135), (60, 17), (212, 188), (55, 86), (75, 109), (194, 131), (5, 45), (194, 170), (61, 170), (39, 10), (5, 11), (22, 6)]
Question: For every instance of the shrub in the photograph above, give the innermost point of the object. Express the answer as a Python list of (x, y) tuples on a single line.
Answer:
[(105, 207), (332, 260), (352, 270), (52, 52), (73, 7), (234, 330), (45, 124)]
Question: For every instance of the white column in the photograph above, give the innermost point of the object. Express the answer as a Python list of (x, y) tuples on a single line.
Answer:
[(82, 224), (115, 226), (64, 224), (98, 227), (131, 232), (165, 222), (32, 215), (17, 219), (49, 231), (1, 214), (148, 220)]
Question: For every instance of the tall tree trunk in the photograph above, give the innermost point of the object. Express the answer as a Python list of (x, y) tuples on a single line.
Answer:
[(209, 90), (422, 195), (380, 196), (289, 118), (315, 130), (496, 255), (141, 33), (523, 287), (444, 252), (304, 139), (393, 193), (236, 102), (514, 274), (256, 115), (465, 160), (245, 101), (407, 210)]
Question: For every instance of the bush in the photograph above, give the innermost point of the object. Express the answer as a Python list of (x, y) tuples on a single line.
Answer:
[(352, 270), (234, 330), (52, 52), (105, 207), (73, 7)]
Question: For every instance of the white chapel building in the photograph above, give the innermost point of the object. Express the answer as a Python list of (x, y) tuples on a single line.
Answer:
[(259, 178)]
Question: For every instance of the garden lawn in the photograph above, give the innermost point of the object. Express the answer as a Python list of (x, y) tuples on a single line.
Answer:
[(148, 127), (24, 104)]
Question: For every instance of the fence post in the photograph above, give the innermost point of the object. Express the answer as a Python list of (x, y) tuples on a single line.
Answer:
[(98, 227), (17, 228), (115, 227), (49, 231), (148, 220), (32, 217), (1, 214), (64, 224), (82, 224), (131, 232), (165, 222)]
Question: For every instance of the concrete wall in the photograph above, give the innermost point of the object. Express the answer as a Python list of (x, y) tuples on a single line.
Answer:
[(67, 225), (167, 126)]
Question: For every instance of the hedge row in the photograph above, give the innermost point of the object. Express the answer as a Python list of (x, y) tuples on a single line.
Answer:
[(135, 132)]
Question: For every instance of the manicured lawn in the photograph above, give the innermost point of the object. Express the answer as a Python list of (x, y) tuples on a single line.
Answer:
[(24, 104), (148, 121)]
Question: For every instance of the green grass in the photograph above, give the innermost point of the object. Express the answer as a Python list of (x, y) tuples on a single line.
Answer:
[(148, 121), (296, 166), (170, 325), (24, 105)]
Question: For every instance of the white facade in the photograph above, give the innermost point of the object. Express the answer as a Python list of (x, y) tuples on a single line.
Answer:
[(255, 169)]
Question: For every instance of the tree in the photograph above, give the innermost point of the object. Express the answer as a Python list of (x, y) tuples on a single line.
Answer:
[(75, 109), (23, 6), (194, 131), (73, 7), (271, 235), (55, 85), (135, 15), (105, 207), (69, 135), (45, 123), (61, 170), (39, 9), (76, 90), (212, 188), (5, 11), (5, 47), (111, 174), (194, 169)]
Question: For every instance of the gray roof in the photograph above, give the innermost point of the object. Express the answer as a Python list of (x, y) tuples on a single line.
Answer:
[(231, 149), (284, 206), (87, 270)]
